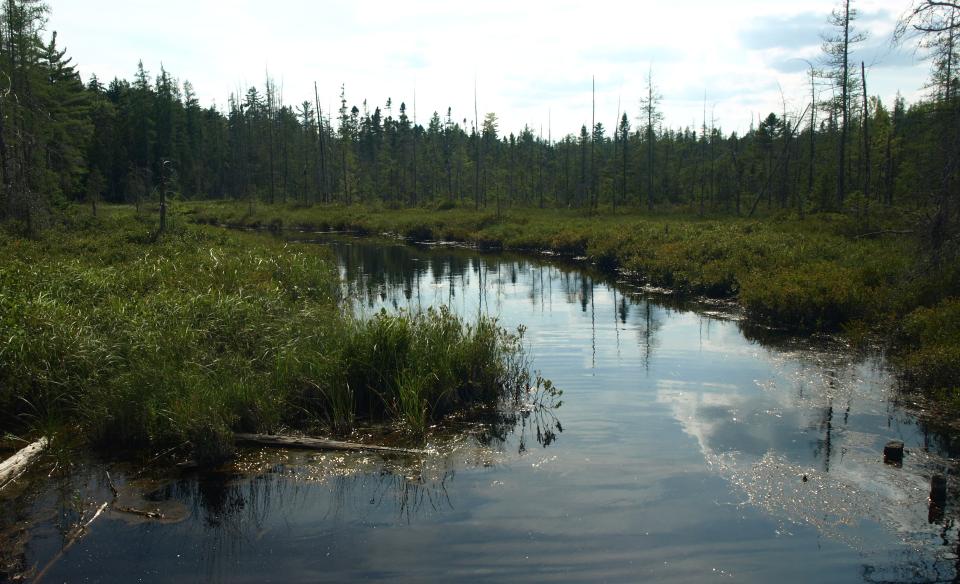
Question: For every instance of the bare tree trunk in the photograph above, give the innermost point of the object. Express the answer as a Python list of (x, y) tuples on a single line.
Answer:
[(813, 135), (346, 183), (844, 82), (163, 196), (476, 125), (322, 169), (591, 195), (784, 157), (650, 136), (866, 136), (540, 158), (5, 163), (616, 144), (271, 120), (414, 148)]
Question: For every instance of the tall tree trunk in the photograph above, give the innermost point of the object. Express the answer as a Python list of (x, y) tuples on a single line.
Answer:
[(414, 201), (322, 168), (591, 194), (866, 136), (476, 125), (845, 107), (650, 137)]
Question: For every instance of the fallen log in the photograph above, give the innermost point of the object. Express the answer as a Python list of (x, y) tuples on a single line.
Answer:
[(318, 444), (16, 465)]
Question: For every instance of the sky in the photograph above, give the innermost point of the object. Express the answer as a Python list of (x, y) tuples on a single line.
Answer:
[(532, 60)]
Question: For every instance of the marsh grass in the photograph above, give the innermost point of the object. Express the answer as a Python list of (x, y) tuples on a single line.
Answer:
[(135, 342), (804, 275), (817, 274)]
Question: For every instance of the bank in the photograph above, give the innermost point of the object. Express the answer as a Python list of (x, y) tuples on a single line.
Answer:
[(132, 342), (867, 279)]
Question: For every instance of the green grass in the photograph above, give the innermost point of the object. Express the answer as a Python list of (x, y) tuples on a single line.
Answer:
[(133, 343), (817, 274), (931, 350)]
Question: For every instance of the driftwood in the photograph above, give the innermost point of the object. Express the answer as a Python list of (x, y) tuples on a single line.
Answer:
[(317, 444), (16, 465), (72, 537), (886, 232)]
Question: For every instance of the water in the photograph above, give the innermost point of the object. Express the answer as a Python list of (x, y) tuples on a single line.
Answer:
[(690, 446)]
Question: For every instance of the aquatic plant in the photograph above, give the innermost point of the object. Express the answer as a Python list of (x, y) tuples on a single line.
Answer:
[(799, 275), (183, 341)]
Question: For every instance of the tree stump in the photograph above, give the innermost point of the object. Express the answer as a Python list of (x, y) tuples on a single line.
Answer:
[(893, 452)]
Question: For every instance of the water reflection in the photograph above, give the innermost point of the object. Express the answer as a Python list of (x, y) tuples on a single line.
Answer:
[(800, 442), (693, 446)]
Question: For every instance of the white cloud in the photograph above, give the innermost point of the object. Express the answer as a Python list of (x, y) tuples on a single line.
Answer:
[(529, 58)]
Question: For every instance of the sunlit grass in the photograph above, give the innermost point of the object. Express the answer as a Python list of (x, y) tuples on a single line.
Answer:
[(134, 343), (816, 274)]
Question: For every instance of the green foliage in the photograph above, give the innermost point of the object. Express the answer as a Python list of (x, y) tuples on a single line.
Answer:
[(183, 341), (811, 275), (931, 336), (804, 275)]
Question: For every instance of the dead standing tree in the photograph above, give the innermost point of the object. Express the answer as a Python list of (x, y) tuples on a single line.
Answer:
[(167, 180), (648, 106), (837, 51)]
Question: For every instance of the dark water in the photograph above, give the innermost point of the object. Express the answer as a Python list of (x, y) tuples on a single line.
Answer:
[(689, 448)]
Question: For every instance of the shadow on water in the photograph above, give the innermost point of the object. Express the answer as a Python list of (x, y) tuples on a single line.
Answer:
[(230, 510), (695, 446)]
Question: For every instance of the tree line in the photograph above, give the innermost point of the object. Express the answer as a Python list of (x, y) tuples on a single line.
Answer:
[(63, 139)]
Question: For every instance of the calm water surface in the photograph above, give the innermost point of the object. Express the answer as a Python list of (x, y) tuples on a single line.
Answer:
[(688, 448)]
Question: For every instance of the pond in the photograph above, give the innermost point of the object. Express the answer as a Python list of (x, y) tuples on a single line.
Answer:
[(690, 445)]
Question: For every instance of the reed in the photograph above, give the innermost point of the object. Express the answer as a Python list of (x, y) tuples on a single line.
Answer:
[(828, 272), (137, 342)]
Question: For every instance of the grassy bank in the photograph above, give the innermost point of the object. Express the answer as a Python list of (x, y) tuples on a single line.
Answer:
[(129, 343), (825, 273)]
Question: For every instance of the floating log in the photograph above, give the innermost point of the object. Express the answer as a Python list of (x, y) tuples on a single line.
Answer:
[(318, 444), (16, 465), (893, 452)]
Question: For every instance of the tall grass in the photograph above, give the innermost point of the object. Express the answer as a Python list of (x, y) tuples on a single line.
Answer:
[(804, 275), (931, 350), (817, 274), (137, 344)]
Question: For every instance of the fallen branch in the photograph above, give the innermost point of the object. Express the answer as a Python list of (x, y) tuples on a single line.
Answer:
[(72, 538), (12, 468), (317, 444), (886, 232), (155, 514)]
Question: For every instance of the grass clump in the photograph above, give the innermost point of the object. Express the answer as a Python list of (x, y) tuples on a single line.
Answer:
[(179, 342), (420, 367)]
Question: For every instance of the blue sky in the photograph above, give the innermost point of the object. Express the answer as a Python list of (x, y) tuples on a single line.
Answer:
[(533, 60)]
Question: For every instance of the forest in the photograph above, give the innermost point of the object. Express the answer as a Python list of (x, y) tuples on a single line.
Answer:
[(69, 139), (275, 340), (856, 199)]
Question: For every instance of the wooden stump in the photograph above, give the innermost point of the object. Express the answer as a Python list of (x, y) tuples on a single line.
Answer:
[(938, 490), (893, 452)]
